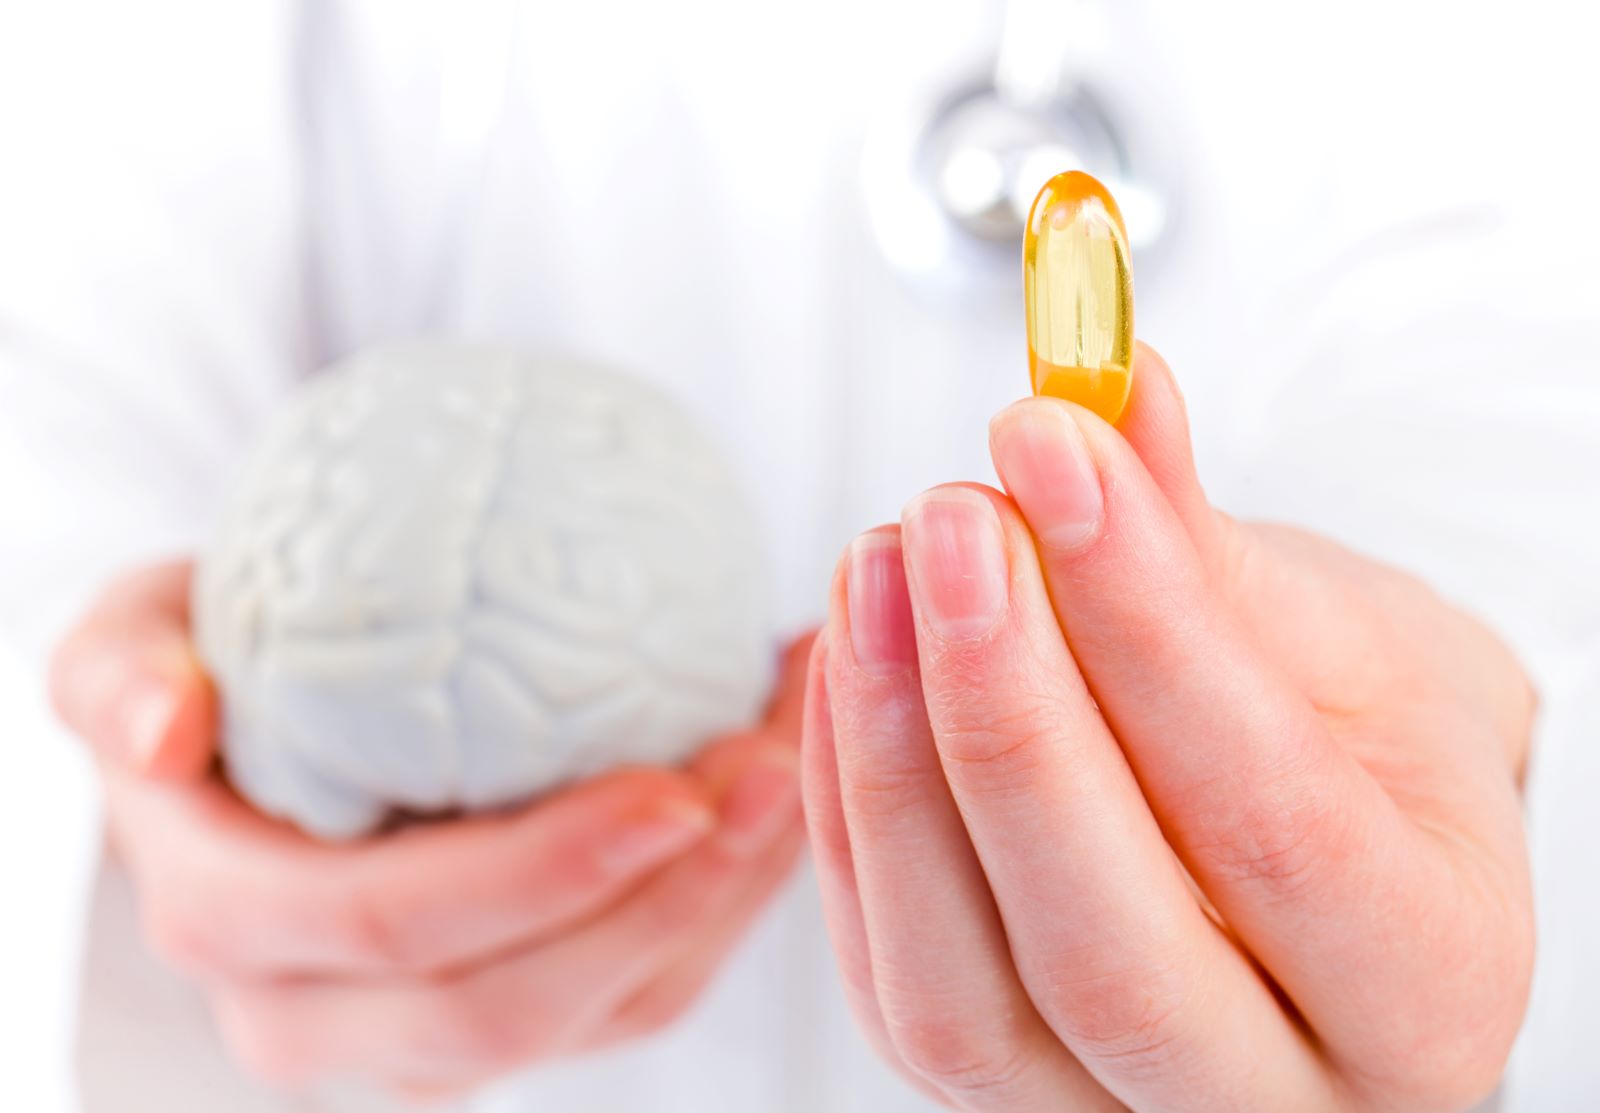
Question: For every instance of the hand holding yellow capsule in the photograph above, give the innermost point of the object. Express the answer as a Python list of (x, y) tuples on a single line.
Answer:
[(1079, 290)]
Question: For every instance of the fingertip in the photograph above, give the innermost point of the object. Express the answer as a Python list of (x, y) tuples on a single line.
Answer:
[(1146, 358), (818, 660), (1156, 425), (187, 747), (817, 719), (142, 719), (623, 822), (663, 830), (1035, 407), (956, 548), (797, 654), (757, 755), (1042, 452), (783, 708), (138, 698), (126, 680), (960, 492), (1050, 441), (838, 582), (819, 777), (1157, 417), (881, 638), (759, 799), (816, 706)]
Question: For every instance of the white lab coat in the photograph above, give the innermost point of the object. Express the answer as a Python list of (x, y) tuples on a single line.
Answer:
[(1378, 299)]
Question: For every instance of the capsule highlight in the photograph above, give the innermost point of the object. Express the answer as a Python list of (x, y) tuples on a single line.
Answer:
[(1079, 289)]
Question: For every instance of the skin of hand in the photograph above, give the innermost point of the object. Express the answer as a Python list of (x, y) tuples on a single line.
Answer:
[(438, 957), (1120, 803)]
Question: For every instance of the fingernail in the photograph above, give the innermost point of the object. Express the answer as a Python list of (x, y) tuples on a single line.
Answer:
[(1045, 463), (674, 827), (148, 710), (761, 802), (957, 558), (882, 634)]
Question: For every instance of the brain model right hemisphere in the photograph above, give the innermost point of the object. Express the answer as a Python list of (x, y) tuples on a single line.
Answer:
[(452, 578)]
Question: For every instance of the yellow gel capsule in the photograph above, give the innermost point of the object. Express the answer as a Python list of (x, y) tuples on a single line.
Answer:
[(1079, 289)]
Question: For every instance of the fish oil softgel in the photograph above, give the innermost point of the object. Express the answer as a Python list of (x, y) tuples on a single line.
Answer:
[(1079, 289)]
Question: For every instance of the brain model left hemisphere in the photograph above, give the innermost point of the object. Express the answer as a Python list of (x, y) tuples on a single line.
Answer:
[(451, 578)]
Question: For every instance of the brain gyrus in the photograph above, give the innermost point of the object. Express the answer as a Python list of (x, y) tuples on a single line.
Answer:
[(451, 578)]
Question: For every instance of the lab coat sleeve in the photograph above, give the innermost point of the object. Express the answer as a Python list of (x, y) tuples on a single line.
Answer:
[(150, 258)]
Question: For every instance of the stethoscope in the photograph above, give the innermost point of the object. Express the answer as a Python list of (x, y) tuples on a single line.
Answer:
[(949, 175)]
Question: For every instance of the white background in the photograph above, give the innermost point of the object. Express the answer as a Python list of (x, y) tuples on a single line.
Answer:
[(48, 840)]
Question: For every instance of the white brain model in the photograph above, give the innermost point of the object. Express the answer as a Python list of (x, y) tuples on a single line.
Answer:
[(452, 577)]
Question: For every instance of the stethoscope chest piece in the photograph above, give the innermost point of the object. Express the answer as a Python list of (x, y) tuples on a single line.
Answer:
[(948, 177)]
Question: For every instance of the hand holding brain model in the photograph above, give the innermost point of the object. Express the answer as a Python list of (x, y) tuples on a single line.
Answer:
[(452, 580)]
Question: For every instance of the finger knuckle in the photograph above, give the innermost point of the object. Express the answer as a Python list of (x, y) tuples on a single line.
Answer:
[(996, 753), (1447, 1046), (1134, 1031), (881, 789), (1130, 1015), (1450, 1076), (1459, 1079), (1280, 850), (364, 923), (957, 1056), (676, 910)]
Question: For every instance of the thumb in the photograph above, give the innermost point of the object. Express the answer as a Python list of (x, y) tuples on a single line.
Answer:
[(753, 774), (1156, 426), (126, 678)]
